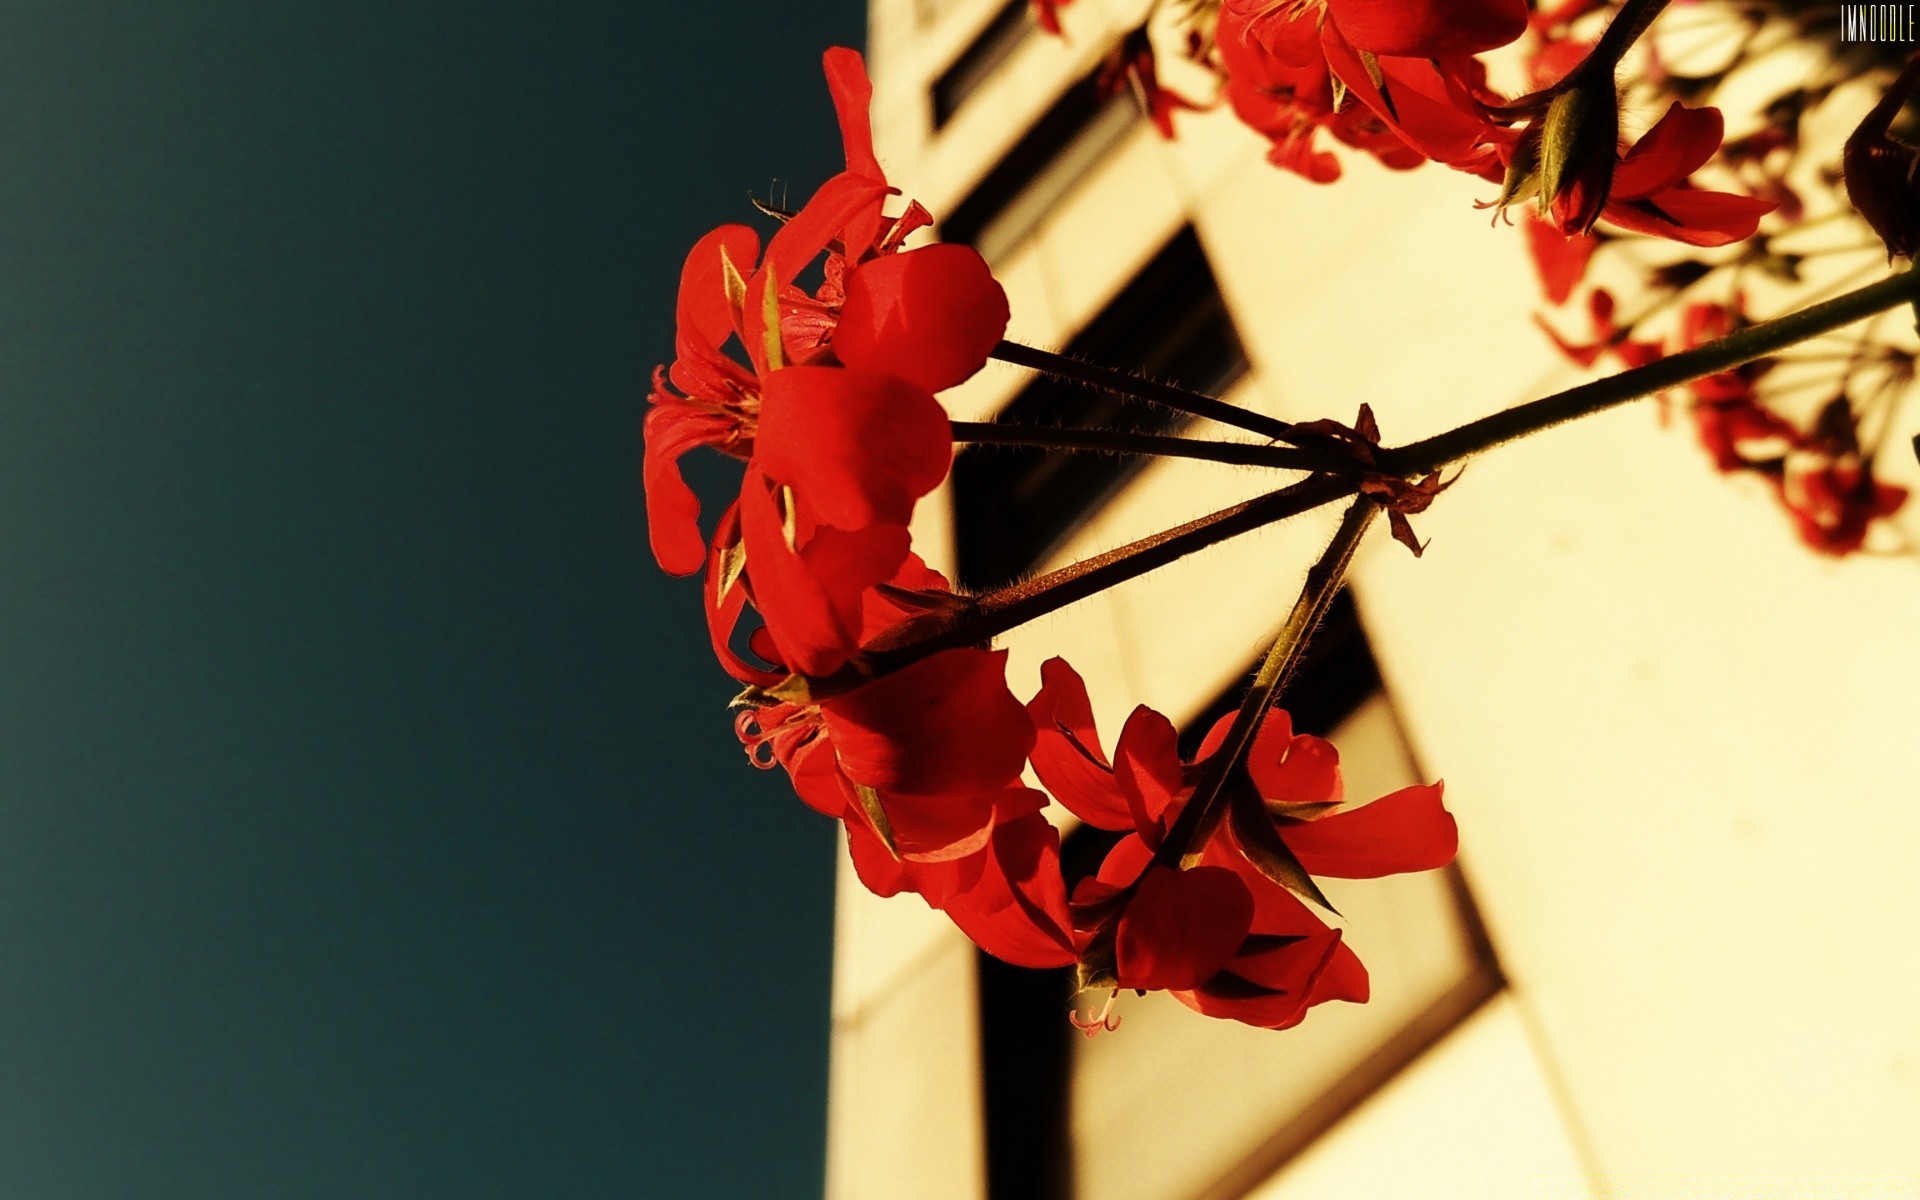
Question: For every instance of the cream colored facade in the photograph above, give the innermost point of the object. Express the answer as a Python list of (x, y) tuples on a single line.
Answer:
[(1681, 748)]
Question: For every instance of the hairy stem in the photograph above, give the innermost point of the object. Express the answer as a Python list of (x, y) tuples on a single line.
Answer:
[(1014, 606), (1755, 341), (1107, 379), (1115, 442), (1201, 815)]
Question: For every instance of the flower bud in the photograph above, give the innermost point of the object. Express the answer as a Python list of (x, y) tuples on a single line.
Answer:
[(1883, 172), (1579, 145)]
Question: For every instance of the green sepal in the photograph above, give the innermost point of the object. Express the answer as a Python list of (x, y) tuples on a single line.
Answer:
[(877, 817), (735, 287), (1259, 840)]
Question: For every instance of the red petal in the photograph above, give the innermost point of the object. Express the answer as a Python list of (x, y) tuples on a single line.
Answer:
[(932, 829), (1017, 911), (931, 316), (817, 780), (1429, 28), (703, 315), (724, 609), (1561, 261), (882, 873), (811, 597), (1305, 771), (944, 724), (1066, 750), (1679, 144), (1692, 216), (856, 448), (1408, 830), (1147, 768), (673, 511), (852, 96), (1181, 926), (846, 207)]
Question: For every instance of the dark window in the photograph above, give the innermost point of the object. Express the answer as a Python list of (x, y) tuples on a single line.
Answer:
[(1012, 506), (1067, 140), (979, 60), (1024, 1080)]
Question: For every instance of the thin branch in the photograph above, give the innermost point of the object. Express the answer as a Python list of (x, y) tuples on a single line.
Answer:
[(1114, 442), (1107, 379)]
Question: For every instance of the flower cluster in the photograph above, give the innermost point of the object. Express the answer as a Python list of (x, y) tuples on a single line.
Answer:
[(1793, 420), (816, 602), (1406, 81), (1818, 472)]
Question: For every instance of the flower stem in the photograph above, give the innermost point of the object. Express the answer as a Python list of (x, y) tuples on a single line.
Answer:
[(1755, 341), (1107, 379), (1014, 606), (1192, 829), (1624, 30), (1115, 442)]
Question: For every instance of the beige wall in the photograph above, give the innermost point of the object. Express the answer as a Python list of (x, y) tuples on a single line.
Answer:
[(1682, 749)]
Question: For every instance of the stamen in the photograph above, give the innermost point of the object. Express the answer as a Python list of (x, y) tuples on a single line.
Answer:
[(1106, 1019)]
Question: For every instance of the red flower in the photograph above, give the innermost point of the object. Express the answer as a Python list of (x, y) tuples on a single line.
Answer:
[(923, 765), (1289, 961), (719, 408), (836, 458), (1833, 503), (840, 460), (931, 315), (1279, 84), (1185, 931)]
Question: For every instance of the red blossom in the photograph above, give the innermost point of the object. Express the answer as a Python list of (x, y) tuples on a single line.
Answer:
[(922, 765), (1833, 503), (1224, 936)]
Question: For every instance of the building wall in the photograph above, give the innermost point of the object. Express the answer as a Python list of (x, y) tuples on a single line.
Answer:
[(1680, 746)]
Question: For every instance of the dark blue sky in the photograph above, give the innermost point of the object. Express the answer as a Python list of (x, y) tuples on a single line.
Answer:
[(370, 820)]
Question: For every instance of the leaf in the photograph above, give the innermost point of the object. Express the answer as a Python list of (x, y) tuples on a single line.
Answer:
[(877, 817), (1254, 833)]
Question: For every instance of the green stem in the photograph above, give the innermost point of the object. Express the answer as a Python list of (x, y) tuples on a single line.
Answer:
[(1115, 442), (1755, 341), (1194, 827), (1625, 29), (1107, 379)]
